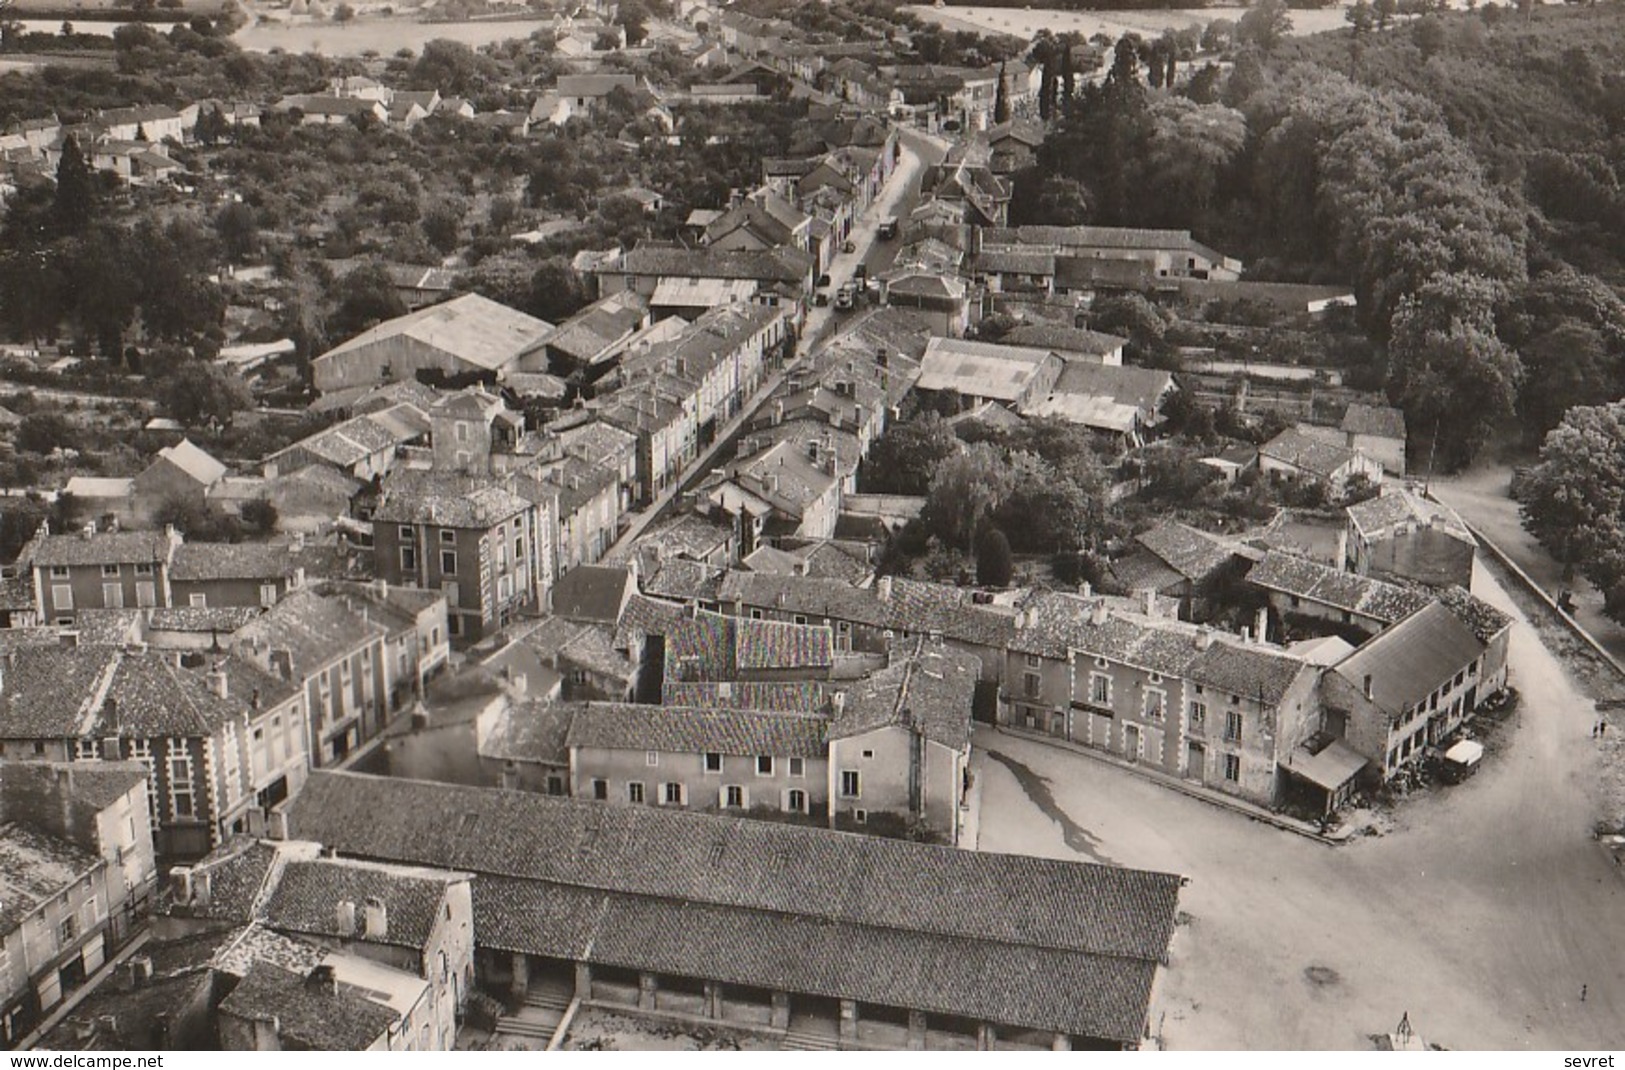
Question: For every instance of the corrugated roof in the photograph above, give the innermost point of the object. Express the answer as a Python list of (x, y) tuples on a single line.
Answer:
[(469, 327)]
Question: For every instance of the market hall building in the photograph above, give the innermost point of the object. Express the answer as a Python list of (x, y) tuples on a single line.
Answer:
[(781, 929)]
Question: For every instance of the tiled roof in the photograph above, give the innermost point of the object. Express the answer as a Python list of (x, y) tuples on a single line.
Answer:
[(1481, 618), (1056, 624), (445, 500), (152, 697), (645, 616), (1065, 339), (307, 896), (200, 561), (1303, 578), (97, 785), (952, 612), (1041, 988), (593, 593), (931, 689), (776, 696), (533, 731), (1313, 455), (316, 631), (239, 873), (34, 869), (102, 548), (51, 693), (222, 619), (1194, 554), (817, 599), (1395, 506), (303, 1015), (683, 579), (788, 264), (853, 890), (1143, 570), (716, 646), (1382, 421), (689, 730)]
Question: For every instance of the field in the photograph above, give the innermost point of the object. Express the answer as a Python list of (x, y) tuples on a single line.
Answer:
[(1026, 23), (382, 35)]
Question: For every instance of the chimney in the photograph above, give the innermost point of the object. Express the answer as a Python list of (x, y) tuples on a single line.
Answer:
[(376, 919), (883, 585), (218, 684), (837, 703), (1342, 549), (1148, 602), (344, 917), (812, 450), (1098, 613), (322, 981), (1204, 639), (88, 532), (1261, 624), (1086, 589), (139, 971), (282, 663), (202, 886), (276, 825), (1366, 687), (1246, 635), (180, 884)]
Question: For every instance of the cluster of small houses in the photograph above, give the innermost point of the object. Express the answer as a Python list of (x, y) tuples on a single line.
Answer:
[(682, 724)]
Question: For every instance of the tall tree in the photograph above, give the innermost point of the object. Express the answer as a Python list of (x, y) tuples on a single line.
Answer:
[(75, 189), (1265, 25), (1574, 499), (1001, 99)]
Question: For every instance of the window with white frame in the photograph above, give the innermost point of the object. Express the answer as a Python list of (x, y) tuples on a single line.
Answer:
[(651, 757), (1155, 701), (733, 796), (448, 561), (850, 784), (110, 571), (796, 800), (634, 792), (676, 794), (198, 600), (1232, 726), (1232, 767), (180, 782), (1198, 716), (764, 765), (60, 572), (798, 767), (713, 762), (1100, 689), (84, 750)]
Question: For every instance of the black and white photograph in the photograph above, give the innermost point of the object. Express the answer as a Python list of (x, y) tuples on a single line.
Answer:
[(696, 526)]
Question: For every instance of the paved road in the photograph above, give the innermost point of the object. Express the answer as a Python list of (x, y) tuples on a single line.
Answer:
[(1483, 497), (1481, 913)]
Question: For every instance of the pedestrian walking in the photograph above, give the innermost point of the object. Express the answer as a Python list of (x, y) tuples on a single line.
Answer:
[(1582, 993)]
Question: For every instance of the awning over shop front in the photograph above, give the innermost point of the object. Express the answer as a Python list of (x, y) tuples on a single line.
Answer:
[(1333, 767)]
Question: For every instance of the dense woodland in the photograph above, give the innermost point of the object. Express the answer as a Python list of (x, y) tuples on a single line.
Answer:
[(1460, 169)]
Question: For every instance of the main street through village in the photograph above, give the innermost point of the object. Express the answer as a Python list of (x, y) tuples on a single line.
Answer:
[(899, 196), (1482, 913)]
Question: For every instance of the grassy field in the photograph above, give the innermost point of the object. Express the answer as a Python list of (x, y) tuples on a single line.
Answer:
[(383, 35), (1026, 23)]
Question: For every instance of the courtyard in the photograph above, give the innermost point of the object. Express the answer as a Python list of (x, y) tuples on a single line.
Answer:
[(1481, 913)]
